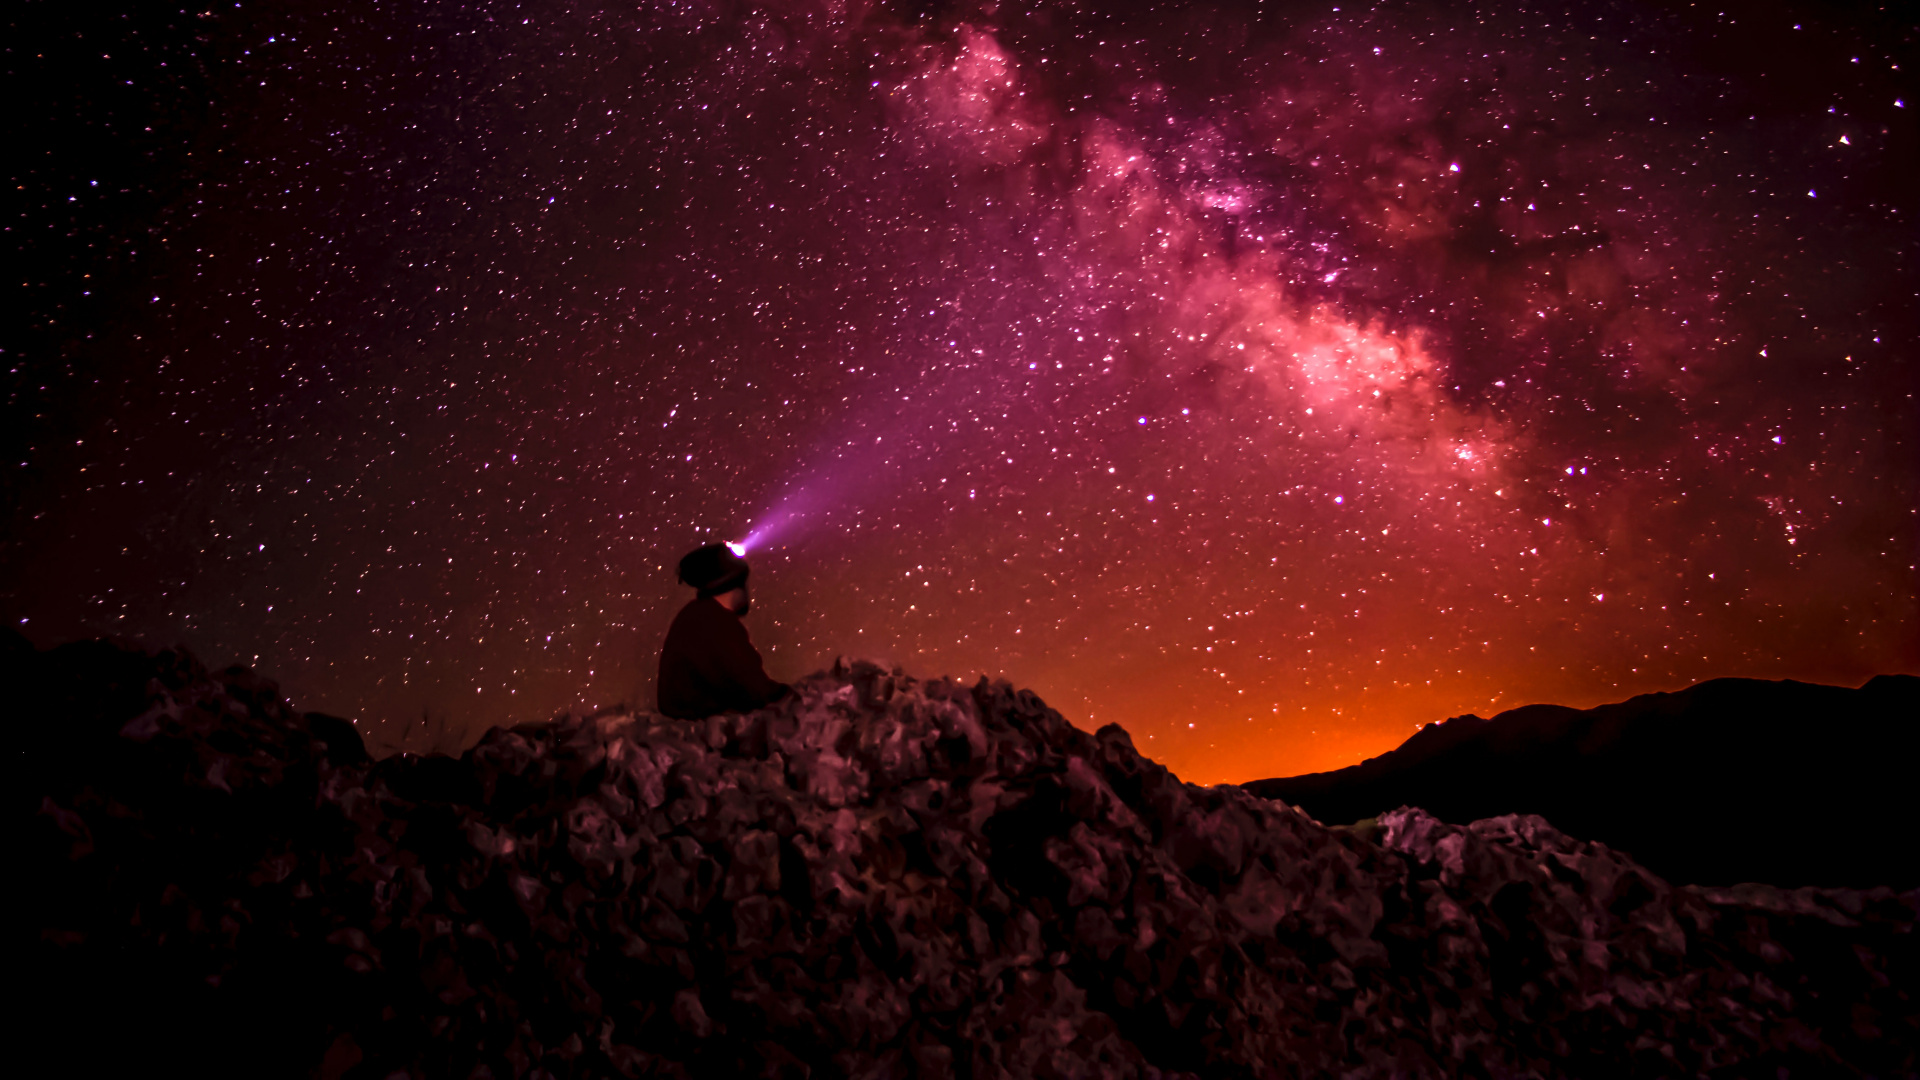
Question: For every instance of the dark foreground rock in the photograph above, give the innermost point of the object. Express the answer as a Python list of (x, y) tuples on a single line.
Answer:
[(1732, 780), (877, 878)]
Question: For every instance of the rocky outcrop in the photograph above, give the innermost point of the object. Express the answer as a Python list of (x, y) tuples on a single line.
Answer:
[(1727, 781), (879, 877)]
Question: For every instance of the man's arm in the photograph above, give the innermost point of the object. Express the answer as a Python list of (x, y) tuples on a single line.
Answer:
[(744, 672)]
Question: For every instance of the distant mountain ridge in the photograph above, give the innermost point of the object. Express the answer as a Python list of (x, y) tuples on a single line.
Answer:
[(1731, 780)]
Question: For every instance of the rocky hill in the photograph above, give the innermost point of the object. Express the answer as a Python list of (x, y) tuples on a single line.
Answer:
[(879, 877), (1733, 780)]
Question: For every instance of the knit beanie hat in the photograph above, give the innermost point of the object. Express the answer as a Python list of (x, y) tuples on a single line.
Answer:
[(713, 569)]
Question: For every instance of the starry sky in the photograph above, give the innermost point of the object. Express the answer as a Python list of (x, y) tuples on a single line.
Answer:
[(1268, 378)]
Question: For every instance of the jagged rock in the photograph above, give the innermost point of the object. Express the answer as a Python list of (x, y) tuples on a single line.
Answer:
[(878, 877)]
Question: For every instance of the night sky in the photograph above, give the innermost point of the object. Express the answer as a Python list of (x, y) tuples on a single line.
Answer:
[(1266, 378)]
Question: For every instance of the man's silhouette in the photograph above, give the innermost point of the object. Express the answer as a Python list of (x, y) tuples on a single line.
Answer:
[(708, 664)]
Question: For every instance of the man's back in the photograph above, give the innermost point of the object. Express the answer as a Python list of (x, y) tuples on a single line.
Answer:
[(708, 664)]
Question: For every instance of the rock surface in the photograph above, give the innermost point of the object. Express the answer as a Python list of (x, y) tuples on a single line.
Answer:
[(879, 877), (1727, 781)]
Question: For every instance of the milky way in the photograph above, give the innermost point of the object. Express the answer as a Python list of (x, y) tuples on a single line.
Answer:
[(1267, 379)]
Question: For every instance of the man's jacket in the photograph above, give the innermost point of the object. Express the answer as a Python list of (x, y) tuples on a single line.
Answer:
[(708, 665)]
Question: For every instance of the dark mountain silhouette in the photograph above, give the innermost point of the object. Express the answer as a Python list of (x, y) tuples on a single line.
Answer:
[(878, 877), (1732, 780)]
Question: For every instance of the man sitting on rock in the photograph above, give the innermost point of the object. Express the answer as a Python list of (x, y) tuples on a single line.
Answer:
[(708, 664)]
